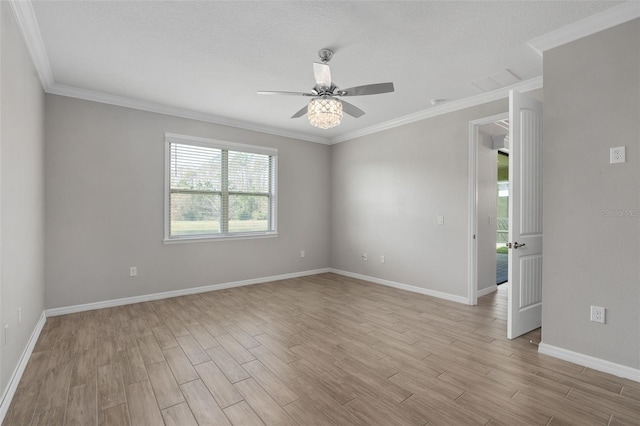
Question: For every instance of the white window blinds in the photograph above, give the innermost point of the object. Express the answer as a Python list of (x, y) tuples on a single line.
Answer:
[(218, 189)]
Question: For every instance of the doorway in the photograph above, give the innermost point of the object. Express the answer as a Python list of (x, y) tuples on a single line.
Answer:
[(492, 205), (524, 310), (502, 217), (486, 137)]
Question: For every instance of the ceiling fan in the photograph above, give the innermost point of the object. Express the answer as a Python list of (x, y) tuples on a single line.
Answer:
[(325, 110)]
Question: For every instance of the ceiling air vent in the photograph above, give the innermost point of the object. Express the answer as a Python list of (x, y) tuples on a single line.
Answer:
[(495, 81)]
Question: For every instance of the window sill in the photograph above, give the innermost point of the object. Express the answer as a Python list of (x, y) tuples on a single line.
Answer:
[(209, 239)]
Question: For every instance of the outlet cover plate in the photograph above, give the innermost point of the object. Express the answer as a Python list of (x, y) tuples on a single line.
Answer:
[(598, 314), (617, 155)]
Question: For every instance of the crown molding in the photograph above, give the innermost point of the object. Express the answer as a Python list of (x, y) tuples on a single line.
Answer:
[(127, 102), (26, 18), (482, 98), (608, 18), (28, 23)]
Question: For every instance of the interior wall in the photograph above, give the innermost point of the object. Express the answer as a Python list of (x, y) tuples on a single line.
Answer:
[(388, 189), (591, 207), (487, 199), (105, 195), (21, 194)]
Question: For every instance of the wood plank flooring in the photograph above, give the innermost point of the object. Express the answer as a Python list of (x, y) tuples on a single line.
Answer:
[(318, 350)]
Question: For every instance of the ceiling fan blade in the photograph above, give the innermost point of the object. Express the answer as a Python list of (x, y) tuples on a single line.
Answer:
[(352, 110), (270, 92), (369, 89), (322, 73), (300, 113)]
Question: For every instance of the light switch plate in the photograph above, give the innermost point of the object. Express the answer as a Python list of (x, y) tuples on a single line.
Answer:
[(617, 155), (440, 220)]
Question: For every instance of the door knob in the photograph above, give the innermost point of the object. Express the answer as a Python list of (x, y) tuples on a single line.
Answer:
[(516, 245)]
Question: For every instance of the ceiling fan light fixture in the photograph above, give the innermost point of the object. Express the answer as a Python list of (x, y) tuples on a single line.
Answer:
[(324, 113)]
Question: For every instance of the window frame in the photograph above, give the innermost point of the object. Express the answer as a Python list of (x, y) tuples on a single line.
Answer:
[(171, 138)]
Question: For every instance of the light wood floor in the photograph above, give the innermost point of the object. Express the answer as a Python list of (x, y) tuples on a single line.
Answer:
[(317, 350)]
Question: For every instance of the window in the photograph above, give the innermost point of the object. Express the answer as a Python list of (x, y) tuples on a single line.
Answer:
[(218, 189)]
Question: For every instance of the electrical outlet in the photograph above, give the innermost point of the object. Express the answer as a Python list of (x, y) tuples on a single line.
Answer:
[(19, 316), (598, 314), (617, 155), (133, 271), (382, 258), (365, 257), (302, 254)]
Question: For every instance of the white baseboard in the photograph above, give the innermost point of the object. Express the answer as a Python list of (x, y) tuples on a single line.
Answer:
[(174, 293), (10, 390), (407, 287), (591, 362), (487, 290)]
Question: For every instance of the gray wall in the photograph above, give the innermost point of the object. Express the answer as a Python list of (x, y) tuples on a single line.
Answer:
[(591, 255), (104, 192), (487, 198), (21, 194), (388, 189)]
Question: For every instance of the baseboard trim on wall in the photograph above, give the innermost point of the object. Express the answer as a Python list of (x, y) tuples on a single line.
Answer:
[(175, 293), (591, 362), (487, 290), (12, 386), (407, 287)]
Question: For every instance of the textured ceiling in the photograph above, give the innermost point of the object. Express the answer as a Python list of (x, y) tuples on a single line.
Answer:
[(213, 56)]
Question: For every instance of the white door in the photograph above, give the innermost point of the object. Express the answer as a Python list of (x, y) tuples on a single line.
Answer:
[(525, 215)]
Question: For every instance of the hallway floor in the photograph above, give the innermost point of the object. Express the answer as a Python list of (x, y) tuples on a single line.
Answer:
[(502, 268)]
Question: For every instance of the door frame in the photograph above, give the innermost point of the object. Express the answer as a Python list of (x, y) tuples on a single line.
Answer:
[(472, 249)]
